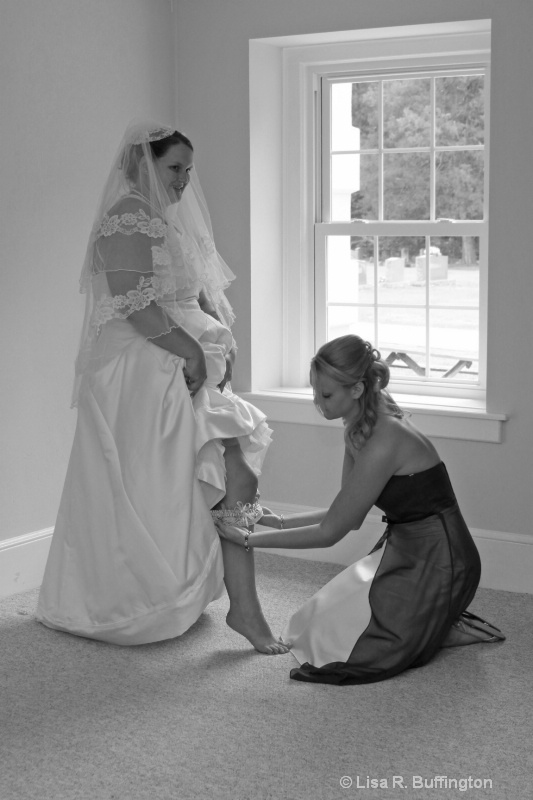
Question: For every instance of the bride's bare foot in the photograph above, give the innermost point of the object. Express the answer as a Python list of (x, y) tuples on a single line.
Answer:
[(257, 631)]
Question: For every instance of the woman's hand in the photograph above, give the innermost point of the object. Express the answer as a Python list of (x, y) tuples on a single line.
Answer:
[(230, 360), (195, 370), (270, 519), (232, 533), (206, 306), (227, 376)]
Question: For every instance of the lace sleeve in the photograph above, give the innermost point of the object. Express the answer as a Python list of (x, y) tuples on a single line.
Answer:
[(130, 269), (127, 223)]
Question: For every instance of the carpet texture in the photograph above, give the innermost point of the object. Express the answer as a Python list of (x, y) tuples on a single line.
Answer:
[(205, 716)]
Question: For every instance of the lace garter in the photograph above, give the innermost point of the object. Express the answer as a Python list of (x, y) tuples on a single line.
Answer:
[(245, 515)]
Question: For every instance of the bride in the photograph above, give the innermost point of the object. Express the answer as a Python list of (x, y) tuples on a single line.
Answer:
[(162, 445)]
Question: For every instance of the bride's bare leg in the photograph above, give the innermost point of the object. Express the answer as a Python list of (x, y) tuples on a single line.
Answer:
[(245, 614)]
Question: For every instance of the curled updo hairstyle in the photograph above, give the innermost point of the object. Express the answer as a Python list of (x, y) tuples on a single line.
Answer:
[(349, 360), (133, 155)]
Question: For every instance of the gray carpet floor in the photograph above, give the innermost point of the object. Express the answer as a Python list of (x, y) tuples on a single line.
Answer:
[(205, 716)]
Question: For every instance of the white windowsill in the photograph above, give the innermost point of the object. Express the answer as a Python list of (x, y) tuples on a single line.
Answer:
[(442, 417)]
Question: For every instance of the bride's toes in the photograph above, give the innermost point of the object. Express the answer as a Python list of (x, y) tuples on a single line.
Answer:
[(258, 633), (273, 648), (279, 648)]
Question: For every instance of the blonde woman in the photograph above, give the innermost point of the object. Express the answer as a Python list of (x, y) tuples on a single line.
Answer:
[(397, 606)]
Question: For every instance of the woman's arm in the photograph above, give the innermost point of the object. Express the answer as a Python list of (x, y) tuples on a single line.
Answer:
[(293, 520), (127, 260), (298, 538), (208, 308), (153, 319), (292, 538), (230, 361), (346, 513), (298, 531), (372, 467), (347, 466)]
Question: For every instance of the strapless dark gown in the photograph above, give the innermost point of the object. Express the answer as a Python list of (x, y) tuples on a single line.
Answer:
[(392, 609)]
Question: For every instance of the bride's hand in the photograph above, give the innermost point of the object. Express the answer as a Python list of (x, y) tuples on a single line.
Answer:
[(228, 375), (231, 532), (195, 371)]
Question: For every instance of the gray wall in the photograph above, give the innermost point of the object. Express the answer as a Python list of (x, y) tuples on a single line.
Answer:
[(75, 72), (73, 75), (493, 481)]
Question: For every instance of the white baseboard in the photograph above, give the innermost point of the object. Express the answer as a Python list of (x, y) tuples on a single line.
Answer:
[(506, 558), (22, 561)]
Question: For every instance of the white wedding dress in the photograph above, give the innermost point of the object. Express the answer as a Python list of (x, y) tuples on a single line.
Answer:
[(135, 556)]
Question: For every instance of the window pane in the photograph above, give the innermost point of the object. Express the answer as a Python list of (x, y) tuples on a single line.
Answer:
[(365, 99), (454, 344), (406, 185), (363, 255), (344, 133), (350, 319), (364, 202), (365, 325), (402, 341), (399, 281), (345, 180), (407, 113), (459, 185), (453, 271), (459, 110), (342, 271), (350, 270)]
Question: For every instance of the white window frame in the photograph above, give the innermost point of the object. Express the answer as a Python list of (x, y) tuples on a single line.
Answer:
[(284, 76)]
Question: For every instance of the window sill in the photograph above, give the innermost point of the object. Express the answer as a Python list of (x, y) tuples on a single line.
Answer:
[(442, 417)]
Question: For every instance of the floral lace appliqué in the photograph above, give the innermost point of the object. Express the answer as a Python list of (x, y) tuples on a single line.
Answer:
[(187, 248), (120, 306), (208, 246), (139, 222), (161, 256), (163, 281)]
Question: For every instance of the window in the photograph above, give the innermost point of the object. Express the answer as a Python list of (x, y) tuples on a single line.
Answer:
[(369, 175), (401, 241)]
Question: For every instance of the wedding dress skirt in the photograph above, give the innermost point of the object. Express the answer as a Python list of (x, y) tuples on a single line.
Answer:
[(219, 415), (135, 556)]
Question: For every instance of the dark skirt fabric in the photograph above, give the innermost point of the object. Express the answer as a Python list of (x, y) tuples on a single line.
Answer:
[(419, 578)]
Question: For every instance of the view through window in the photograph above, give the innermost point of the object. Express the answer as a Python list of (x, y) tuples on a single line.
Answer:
[(401, 246)]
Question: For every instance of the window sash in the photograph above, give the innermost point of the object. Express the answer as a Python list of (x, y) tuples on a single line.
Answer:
[(428, 384), (326, 84), (325, 227)]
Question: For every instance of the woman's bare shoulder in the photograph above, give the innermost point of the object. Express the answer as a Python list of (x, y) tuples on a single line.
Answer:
[(412, 450), (389, 431), (385, 445)]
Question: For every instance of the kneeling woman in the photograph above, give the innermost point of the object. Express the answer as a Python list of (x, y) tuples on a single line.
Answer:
[(397, 606)]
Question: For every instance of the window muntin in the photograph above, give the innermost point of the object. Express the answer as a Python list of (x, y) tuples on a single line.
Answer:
[(403, 195)]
